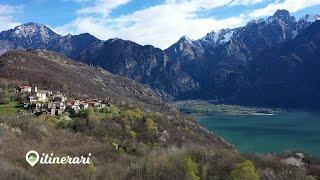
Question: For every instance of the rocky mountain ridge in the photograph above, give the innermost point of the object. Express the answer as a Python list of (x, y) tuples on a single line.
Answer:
[(219, 61)]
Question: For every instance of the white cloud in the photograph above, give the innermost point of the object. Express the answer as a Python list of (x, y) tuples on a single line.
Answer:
[(8, 9), (6, 19), (244, 2), (290, 5), (102, 7), (7, 22), (161, 25), (78, 1)]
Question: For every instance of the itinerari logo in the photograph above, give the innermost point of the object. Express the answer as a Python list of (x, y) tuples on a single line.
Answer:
[(33, 157)]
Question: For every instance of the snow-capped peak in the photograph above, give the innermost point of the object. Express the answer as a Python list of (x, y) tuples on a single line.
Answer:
[(306, 21), (221, 37), (227, 36), (33, 29), (186, 39), (212, 36), (310, 18), (27, 29)]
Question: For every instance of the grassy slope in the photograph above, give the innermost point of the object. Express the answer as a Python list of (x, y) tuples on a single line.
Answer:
[(9, 109)]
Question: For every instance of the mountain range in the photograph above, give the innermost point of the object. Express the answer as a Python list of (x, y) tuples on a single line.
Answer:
[(262, 63)]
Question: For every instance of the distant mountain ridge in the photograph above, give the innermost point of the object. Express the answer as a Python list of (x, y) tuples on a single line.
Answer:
[(214, 67), (287, 75), (27, 36), (145, 64), (219, 60)]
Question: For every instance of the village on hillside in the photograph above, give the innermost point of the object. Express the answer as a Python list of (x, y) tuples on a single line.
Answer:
[(54, 103)]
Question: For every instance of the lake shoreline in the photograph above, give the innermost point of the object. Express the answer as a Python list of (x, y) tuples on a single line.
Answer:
[(204, 108), (207, 108), (251, 130)]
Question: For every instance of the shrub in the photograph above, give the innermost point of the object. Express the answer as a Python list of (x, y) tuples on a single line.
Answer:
[(84, 113), (127, 128), (93, 120), (79, 125), (9, 171), (170, 164), (114, 112), (159, 167), (311, 178), (49, 119), (135, 114), (4, 100), (4, 97), (91, 168), (64, 122), (190, 168), (132, 134), (244, 171), (150, 125)]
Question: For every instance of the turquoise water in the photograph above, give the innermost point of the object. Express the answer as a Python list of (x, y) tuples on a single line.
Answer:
[(267, 134)]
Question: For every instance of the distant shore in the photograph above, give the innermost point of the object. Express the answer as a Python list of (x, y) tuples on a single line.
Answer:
[(207, 108)]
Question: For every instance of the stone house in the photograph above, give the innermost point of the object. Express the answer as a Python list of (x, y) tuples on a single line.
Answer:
[(74, 105), (84, 105), (43, 95), (56, 108), (32, 99), (95, 103), (56, 105), (24, 89), (59, 98)]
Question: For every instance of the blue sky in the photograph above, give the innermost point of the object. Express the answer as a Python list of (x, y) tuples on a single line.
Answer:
[(156, 22)]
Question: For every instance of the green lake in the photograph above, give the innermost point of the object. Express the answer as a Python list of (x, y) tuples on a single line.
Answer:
[(283, 131)]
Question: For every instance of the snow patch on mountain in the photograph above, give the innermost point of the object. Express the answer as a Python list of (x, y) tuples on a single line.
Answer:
[(227, 36), (221, 37), (34, 30), (306, 21), (186, 39), (310, 18)]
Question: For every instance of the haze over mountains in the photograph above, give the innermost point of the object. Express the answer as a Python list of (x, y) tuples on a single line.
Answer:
[(262, 63)]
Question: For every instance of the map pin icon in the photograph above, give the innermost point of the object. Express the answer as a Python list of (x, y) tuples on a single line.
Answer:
[(32, 157)]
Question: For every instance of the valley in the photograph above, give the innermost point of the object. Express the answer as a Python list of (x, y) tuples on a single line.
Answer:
[(241, 103)]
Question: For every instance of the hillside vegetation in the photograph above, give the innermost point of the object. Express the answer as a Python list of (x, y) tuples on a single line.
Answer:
[(56, 72)]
